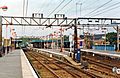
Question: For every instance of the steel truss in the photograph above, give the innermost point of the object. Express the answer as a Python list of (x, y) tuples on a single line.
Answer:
[(64, 22), (34, 21)]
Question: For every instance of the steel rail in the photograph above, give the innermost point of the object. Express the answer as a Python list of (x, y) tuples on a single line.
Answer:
[(79, 70), (44, 66)]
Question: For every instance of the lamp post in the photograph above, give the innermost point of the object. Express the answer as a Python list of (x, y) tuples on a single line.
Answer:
[(105, 30), (4, 8), (57, 39), (51, 38), (14, 36), (62, 42), (6, 42), (61, 16), (52, 42)]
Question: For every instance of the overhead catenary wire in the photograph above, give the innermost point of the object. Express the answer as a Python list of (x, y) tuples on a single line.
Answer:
[(64, 6), (23, 15), (26, 8), (106, 8), (56, 8), (44, 1), (69, 8), (23, 7), (46, 7), (82, 2), (98, 8), (90, 5), (74, 2), (86, 7)]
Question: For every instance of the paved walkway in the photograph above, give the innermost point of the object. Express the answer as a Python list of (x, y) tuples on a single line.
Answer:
[(10, 65), (15, 65)]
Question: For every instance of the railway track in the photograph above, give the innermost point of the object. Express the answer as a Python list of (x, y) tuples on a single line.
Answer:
[(57, 69), (41, 69), (104, 68)]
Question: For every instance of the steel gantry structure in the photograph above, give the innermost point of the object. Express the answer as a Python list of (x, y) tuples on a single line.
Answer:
[(64, 22)]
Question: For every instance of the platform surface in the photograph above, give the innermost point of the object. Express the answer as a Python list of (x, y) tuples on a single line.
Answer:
[(15, 65), (64, 54), (55, 51), (108, 53)]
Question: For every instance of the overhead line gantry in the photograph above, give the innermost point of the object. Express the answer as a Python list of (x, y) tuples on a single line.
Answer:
[(64, 22)]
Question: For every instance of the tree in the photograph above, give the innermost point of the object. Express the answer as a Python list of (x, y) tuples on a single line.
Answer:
[(112, 37)]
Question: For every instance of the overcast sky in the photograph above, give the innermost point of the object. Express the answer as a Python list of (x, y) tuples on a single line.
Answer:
[(85, 8)]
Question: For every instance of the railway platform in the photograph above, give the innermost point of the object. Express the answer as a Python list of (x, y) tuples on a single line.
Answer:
[(100, 52), (16, 65), (56, 52), (104, 53), (66, 53)]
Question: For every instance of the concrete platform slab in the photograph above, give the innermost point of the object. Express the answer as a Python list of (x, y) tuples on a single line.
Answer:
[(10, 65), (63, 54), (16, 65), (27, 70)]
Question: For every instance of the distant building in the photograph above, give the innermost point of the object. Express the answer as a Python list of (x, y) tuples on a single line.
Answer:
[(89, 40), (43, 43)]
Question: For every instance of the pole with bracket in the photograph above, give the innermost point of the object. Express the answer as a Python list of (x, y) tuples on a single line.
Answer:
[(76, 54), (75, 39), (117, 38)]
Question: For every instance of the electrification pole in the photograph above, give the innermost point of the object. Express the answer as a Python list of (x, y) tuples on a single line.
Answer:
[(75, 40), (117, 38)]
